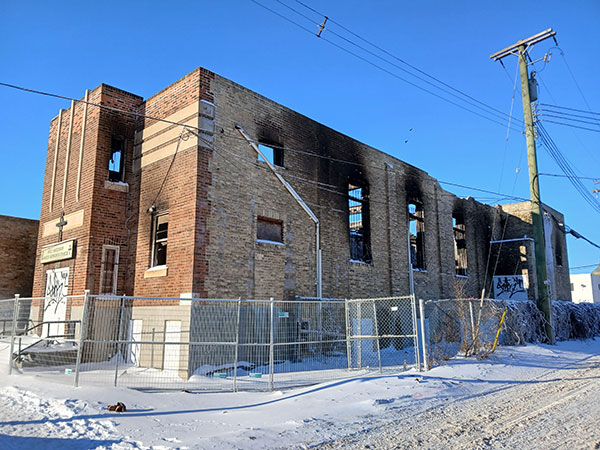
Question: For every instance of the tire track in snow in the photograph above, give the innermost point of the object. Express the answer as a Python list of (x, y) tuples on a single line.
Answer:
[(478, 421)]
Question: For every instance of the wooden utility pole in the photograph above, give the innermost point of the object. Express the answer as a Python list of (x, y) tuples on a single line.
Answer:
[(543, 297)]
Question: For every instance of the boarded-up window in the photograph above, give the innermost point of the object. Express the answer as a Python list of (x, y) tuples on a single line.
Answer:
[(416, 228), (268, 229), (460, 244), (109, 269), (358, 223)]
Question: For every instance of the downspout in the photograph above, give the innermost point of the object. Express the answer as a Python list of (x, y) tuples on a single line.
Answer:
[(318, 280)]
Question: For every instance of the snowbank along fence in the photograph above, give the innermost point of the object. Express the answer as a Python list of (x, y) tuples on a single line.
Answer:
[(216, 344)]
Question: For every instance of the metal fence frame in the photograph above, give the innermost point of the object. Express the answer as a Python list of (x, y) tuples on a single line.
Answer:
[(320, 345)]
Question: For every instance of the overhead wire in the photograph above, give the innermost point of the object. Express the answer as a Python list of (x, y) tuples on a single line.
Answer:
[(544, 113), (383, 69), (381, 49), (564, 113), (553, 150), (570, 109), (562, 53), (465, 97), (191, 127), (584, 266)]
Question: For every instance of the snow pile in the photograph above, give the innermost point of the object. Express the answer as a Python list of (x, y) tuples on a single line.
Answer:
[(36, 413)]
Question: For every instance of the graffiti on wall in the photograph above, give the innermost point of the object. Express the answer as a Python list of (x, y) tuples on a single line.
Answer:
[(510, 287), (55, 303)]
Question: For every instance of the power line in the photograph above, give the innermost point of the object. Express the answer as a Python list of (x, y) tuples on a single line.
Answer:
[(562, 53), (563, 117), (571, 125), (317, 184), (398, 59), (383, 69), (568, 114), (465, 97), (190, 127), (583, 267), (573, 131), (565, 166), (570, 109), (567, 176), (97, 105)]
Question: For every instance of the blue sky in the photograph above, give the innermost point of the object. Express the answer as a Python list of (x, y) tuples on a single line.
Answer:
[(67, 47)]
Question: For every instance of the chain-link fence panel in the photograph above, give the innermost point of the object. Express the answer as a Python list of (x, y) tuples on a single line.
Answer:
[(382, 333), (475, 326), (214, 344), (8, 318), (48, 346)]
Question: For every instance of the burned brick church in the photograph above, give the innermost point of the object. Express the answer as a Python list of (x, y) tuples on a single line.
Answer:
[(209, 190)]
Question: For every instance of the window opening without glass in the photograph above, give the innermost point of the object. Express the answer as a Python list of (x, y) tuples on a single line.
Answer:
[(272, 154), (460, 244), (416, 227), (358, 220), (115, 163)]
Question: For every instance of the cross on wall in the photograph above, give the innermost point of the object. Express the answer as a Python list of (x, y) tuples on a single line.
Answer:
[(61, 223)]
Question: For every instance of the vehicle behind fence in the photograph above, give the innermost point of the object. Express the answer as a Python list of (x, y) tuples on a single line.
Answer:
[(217, 344)]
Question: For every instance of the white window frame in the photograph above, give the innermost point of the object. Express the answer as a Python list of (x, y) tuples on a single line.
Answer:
[(117, 249), (154, 226)]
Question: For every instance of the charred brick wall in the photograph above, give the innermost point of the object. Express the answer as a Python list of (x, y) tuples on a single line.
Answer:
[(319, 163), (520, 256), (214, 189)]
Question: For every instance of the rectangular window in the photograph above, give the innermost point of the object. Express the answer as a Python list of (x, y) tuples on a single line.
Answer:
[(268, 229), (117, 159), (460, 244), (416, 228), (109, 269), (273, 154), (160, 228), (358, 223)]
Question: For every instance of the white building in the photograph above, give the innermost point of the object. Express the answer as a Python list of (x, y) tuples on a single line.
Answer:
[(585, 287)]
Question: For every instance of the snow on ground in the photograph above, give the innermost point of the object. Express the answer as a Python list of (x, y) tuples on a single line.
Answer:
[(379, 410)]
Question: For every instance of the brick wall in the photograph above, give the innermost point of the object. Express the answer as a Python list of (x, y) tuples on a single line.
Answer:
[(17, 252), (214, 188), (103, 210), (244, 188), (186, 178)]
